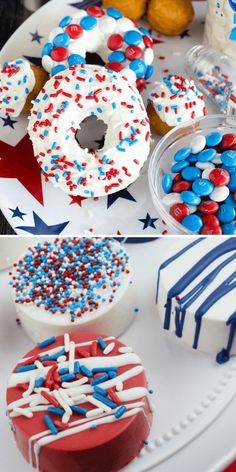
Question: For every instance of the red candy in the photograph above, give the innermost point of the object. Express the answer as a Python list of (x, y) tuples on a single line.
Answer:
[(74, 31), (116, 66), (181, 186), (177, 178), (115, 42), (95, 11), (208, 207), (178, 211), (148, 42), (219, 177), (211, 220), (59, 54), (209, 230), (228, 141), (141, 84), (133, 52)]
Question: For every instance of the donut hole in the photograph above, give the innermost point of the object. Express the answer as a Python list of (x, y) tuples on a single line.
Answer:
[(91, 134), (94, 59)]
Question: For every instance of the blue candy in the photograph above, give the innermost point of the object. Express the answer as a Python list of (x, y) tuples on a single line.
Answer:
[(229, 158), (74, 59), (179, 166), (214, 138), (88, 22), (149, 71), (193, 158), (57, 69), (139, 67), (133, 37), (47, 48), (61, 39), (116, 56), (202, 187), (65, 21), (190, 197), (232, 183), (182, 154), (231, 170), (145, 31), (191, 173), (193, 223), (230, 200), (167, 182), (207, 155), (229, 228), (226, 213), (114, 13)]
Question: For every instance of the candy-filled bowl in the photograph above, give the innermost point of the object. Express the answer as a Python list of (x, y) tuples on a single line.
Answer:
[(187, 195)]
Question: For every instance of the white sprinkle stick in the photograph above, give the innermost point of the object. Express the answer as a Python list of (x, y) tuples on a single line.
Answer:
[(31, 385), (76, 383), (39, 365), (61, 359), (99, 404), (125, 350), (67, 342), (22, 411), (94, 412), (109, 348), (65, 418), (71, 357), (65, 397), (119, 386), (79, 398)]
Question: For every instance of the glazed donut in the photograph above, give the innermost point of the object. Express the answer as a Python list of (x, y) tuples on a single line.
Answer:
[(120, 43), (20, 83), (65, 101)]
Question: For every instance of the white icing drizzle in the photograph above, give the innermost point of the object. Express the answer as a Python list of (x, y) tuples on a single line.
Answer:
[(109, 348), (71, 357)]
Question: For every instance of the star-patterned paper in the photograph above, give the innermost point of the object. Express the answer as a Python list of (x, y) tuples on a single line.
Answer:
[(34, 206)]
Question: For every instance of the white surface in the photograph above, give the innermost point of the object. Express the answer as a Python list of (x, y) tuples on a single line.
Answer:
[(181, 378), (92, 215), (214, 333)]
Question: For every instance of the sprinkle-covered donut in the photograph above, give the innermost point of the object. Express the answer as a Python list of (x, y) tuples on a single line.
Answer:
[(64, 102), (17, 80), (120, 43)]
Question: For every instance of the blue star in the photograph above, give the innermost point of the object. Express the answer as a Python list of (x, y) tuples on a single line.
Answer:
[(36, 37), (148, 221), (34, 60), (17, 213), (121, 194), (8, 122), (42, 228), (85, 4)]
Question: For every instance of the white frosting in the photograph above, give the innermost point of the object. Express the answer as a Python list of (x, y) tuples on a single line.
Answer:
[(219, 26), (17, 80), (112, 318), (177, 100), (96, 41), (53, 125), (214, 332)]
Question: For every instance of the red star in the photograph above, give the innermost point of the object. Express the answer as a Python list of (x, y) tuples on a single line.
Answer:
[(77, 199), (18, 162)]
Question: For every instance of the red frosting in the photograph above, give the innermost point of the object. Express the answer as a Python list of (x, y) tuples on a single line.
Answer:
[(107, 448)]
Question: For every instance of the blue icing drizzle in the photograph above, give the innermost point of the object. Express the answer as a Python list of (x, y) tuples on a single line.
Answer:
[(223, 356)]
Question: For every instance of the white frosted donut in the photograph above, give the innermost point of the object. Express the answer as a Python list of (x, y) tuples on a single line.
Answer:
[(64, 102), (120, 43)]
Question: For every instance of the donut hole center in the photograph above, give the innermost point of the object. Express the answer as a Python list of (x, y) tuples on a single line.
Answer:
[(94, 59), (91, 134)]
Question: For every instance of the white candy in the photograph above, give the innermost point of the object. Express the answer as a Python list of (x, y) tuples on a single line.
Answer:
[(198, 143), (172, 198), (219, 194), (148, 56), (125, 24), (47, 63), (202, 165), (206, 172), (217, 159), (192, 208), (107, 25)]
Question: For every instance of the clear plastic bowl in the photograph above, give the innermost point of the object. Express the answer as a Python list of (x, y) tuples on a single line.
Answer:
[(162, 158)]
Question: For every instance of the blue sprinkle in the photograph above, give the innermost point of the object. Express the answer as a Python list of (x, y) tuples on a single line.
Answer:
[(63, 371), (105, 400), (111, 374), (113, 105), (50, 424), (56, 411), (39, 382), (120, 411), (85, 371), (79, 410), (99, 379), (53, 357), (101, 391), (25, 368), (67, 377), (45, 133), (47, 342), (99, 110), (93, 426), (76, 367), (101, 343), (98, 370)]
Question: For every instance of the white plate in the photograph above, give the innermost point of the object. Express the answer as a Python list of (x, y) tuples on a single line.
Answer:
[(194, 419), (106, 215)]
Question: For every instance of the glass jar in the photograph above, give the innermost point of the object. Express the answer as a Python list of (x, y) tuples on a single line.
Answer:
[(220, 26), (214, 74)]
